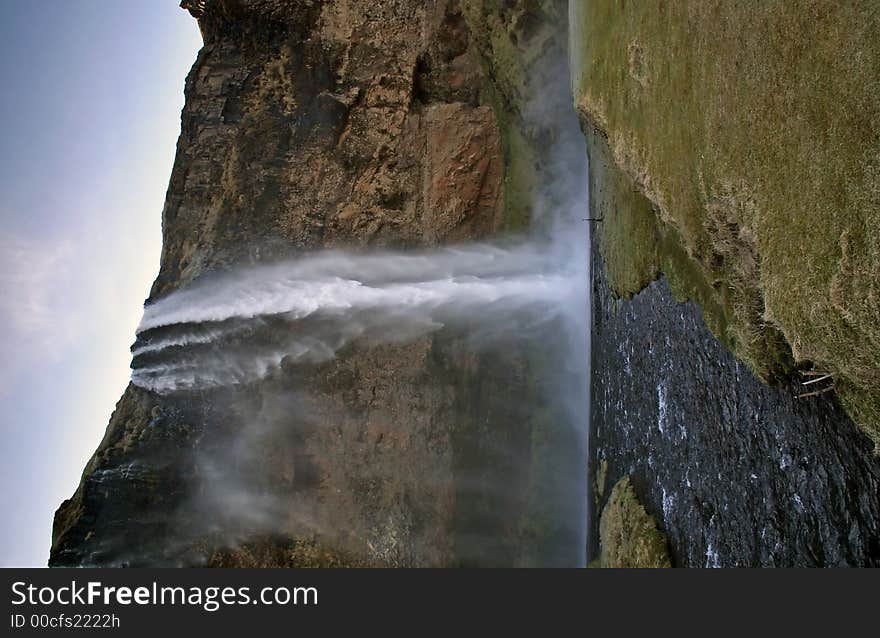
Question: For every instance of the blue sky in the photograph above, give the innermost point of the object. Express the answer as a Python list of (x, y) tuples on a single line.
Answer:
[(89, 117)]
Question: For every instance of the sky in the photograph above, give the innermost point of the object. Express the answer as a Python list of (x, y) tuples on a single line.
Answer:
[(89, 118)]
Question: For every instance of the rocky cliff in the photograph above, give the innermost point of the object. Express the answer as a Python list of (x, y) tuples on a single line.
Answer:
[(325, 124)]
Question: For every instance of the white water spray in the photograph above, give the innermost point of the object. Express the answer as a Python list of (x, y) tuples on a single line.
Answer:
[(209, 334)]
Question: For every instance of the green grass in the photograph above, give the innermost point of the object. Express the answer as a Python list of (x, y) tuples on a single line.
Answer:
[(754, 131), (520, 177)]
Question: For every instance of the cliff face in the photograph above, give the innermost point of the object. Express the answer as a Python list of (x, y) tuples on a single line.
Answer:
[(310, 125)]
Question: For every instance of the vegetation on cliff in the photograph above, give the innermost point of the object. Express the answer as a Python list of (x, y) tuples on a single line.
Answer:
[(523, 55), (753, 130)]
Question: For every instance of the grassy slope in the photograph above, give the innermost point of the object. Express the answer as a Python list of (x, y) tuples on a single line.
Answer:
[(754, 128)]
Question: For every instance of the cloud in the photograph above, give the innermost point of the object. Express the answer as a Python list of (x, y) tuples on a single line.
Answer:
[(36, 286)]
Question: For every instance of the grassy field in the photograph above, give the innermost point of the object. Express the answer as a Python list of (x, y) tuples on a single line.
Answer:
[(754, 130)]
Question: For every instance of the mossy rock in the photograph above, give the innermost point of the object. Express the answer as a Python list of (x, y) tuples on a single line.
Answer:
[(628, 535)]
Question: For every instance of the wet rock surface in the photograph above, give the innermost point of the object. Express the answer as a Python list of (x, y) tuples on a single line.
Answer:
[(736, 473)]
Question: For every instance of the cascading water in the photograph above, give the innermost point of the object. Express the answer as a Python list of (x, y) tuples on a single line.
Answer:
[(212, 333)]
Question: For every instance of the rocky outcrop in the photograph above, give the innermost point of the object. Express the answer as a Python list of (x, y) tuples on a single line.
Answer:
[(628, 535), (316, 124)]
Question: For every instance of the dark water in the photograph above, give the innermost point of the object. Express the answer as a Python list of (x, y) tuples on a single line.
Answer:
[(737, 473)]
